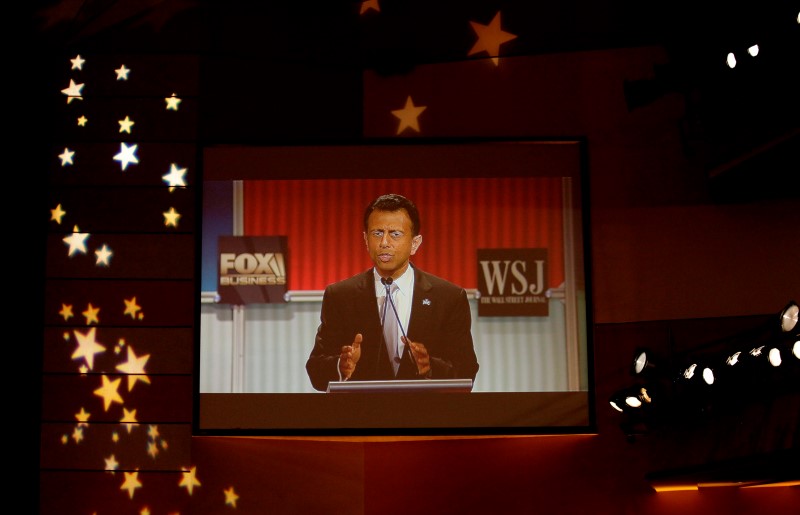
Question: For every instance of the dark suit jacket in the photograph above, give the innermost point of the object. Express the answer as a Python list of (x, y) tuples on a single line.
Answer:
[(440, 319)]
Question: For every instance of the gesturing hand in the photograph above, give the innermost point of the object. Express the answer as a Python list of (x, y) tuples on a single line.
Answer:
[(349, 356), (420, 355)]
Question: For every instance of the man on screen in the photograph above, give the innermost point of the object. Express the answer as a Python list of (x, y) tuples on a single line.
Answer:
[(429, 315)]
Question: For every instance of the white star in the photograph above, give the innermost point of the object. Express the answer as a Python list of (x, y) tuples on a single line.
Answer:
[(73, 91), (122, 72), (125, 125), (172, 102), (103, 255), (77, 63), (66, 157), (134, 368), (126, 155), (76, 241), (175, 177), (111, 463), (87, 347)]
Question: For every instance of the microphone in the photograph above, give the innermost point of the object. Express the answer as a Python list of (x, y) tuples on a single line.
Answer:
[(387, 283)]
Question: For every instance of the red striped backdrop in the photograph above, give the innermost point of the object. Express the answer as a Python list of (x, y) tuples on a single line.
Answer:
[(323, 222)]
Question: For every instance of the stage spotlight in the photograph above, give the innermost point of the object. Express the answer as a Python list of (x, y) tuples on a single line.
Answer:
[(642, 361), (733, 359), (688, 373), (774, 357), (631, 399), (708, 375), (796, 348), (788, 317), (698, 371), (731, 60)]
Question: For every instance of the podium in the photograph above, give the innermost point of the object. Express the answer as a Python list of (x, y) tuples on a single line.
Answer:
[(402, 386)]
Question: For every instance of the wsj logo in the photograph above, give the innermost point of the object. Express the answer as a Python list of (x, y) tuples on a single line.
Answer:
[(251, 269), (513, 282), (496, 274)]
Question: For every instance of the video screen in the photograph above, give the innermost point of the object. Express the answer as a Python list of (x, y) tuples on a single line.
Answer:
[(494, 310)]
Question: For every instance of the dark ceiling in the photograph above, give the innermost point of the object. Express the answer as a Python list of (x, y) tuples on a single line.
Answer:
[(243, 43)]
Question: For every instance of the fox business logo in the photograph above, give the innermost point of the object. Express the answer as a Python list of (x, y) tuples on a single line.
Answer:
[(251, 269), (513, 282)]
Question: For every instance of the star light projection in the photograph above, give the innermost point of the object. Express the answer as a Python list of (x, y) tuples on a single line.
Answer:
[(173, 102), (367, 5), (109, 393), (127, 156), (121, 374), (490, 37), (73, 91), (409, 116)]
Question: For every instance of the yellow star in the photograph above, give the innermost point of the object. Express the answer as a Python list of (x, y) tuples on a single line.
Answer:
[(66, 311), (145, 511), (172, 102), (115, 437), (129, 419), (490, 37), (87, 347), (111, 463), (152, 432), (103, 255), (64, 439), (83, 417), (189, 480), (91, 314), (57, 214), (109, 392), (77, 434), (76, 241), (82, 121), (125, 125), (131, 483), (135, 368), (231, 497), (366, 5), (171, 217), (131, 308), (408, 115), (152, 449)]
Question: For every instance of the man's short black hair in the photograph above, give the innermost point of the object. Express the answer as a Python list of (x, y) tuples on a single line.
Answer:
[(393, 202)]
